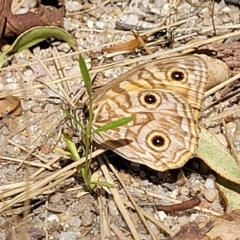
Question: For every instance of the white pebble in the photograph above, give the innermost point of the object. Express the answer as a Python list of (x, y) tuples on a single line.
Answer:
[(22, 10), (210, 182), (174, 193), (29, 3), (112, 208), (162, 215), (210, 194), (5, 131), (9, 75), (132, 19), (99, 25), (52, 217), (118, 58), (28, 72), (193, 217), (11, 87), (73, 6), (144, 183), (90, 23), (184, 191), (36, 109), (165, 9), (64, 47)]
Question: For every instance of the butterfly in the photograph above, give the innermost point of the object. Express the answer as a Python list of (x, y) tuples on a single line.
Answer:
[(164, 98)]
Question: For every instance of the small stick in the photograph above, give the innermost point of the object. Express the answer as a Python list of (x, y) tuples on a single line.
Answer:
[(188, 204)]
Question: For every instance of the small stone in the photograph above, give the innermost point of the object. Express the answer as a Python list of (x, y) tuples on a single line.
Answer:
[(136, 184), (90, 24), (36, 109), (87, 218), (99, 25), (184, 191), (68, 235), (5, 131), (118, 58), (145, 183), (112, 208), (75, 222), (64, 47), (165, 9), (210, 194), (143, 174), (72, 6), (193, 217), (210, 182), (182, 220), (56, 197), (162, 215), (29, 3), (11, 87), (9, 76), (53, 217), (22, 10), (195, 187), (216, 206), (132, 19), (174, 193)]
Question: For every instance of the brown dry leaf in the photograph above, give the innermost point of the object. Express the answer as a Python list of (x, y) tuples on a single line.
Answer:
[(225, 227), (14, 25), (127, 46), (10, 105), (192, 231), (218, 71)]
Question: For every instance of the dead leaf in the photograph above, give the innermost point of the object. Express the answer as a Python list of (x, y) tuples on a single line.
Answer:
[(225, 227), (14, 25), (192, 231), (10, 105), (127, 46), (218, 71)]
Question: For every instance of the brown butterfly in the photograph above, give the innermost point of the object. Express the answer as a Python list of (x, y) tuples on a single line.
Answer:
[(164, 97)]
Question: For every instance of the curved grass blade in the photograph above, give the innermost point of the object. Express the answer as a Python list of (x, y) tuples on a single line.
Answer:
[(85, 75), (113, 124)]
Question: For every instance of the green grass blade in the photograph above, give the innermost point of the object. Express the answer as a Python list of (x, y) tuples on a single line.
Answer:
[(105, 184), (85, 75), (114, 124), (71, 146)]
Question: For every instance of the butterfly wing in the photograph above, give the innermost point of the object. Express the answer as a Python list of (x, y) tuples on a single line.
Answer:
[(164, 97)]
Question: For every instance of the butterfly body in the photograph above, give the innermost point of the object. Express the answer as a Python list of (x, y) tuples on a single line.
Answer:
[(164, 98)]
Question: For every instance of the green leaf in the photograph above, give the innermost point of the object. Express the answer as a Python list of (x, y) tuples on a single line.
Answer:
[(114, 124), (71, 146), (217, 157), (231, 192), (36, 35), (85, 75)]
